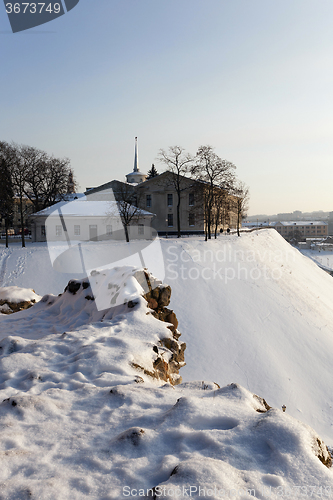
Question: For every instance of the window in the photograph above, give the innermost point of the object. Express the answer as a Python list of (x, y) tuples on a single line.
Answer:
[(148, 200), (170, 200), (108, 229), (170, 220), (191, 220), (141, 229), (58, 231), (77, 230), (43, 230), (191, 199)]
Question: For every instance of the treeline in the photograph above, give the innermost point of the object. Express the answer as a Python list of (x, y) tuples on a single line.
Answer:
[(216, 185), (28, 173)]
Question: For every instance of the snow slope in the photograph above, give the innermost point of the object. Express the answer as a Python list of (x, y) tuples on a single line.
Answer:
[(252, 310), (78, 421), (265, 321)]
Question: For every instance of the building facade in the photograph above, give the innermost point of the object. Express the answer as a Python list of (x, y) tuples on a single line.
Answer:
[(159, 195), (87, 220), (305, 229)]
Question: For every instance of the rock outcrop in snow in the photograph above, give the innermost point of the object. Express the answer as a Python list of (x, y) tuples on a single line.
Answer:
[(158, 297), (156, 351), (14, 299)]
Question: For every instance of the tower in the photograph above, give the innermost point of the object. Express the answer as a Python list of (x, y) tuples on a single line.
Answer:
[(136, 176)]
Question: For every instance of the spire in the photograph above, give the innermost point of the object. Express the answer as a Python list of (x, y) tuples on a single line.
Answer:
[(136, 168), (135, 177)]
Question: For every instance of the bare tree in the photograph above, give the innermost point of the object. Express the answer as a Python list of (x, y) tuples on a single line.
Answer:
[(10, 153), (127, 200), (241, 196), (33, 163), (216, 174), (221, 206), (46, 179), (6, 195), (179, 163), (56, 180)]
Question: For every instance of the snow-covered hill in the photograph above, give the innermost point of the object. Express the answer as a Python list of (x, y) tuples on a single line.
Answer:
[(252, 310), (78, 420)]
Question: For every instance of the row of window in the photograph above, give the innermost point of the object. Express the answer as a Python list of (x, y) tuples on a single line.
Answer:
[(92, 230), (301, 228), (191, 220), (77, 230), (170, 200)]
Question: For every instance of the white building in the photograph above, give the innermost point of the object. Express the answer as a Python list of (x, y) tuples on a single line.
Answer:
[(87, 220)]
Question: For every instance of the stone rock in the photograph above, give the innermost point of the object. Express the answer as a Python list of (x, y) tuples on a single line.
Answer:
[(171, 318), (164, 296), (152, 303), (322, 453), (7, 307), (73, 286), (157, 299)]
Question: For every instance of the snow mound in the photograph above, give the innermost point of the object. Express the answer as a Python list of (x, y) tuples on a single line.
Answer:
[(132, 336), (78, 420), (16, 294), (75, 424), (14, 298), (73, 308)]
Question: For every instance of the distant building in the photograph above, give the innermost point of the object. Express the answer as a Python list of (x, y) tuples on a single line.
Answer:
[(306, 229)]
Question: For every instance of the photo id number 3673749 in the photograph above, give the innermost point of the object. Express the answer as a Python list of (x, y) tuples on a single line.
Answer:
[(32, 8)]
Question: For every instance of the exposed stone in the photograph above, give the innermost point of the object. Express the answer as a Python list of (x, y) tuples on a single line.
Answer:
[(323, 453), (171, 318), (157, 299), (89, 297), (131, 304), (152, 303), (7, 307), (264, 406), (164, 296), (73, 286)]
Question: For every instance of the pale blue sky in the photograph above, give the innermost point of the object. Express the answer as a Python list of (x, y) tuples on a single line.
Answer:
[(254, 78)]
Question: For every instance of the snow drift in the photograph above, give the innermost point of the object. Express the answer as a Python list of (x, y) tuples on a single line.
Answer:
[(78, 420)]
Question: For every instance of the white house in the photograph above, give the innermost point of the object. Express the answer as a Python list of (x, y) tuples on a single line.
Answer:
[(87, 219)]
